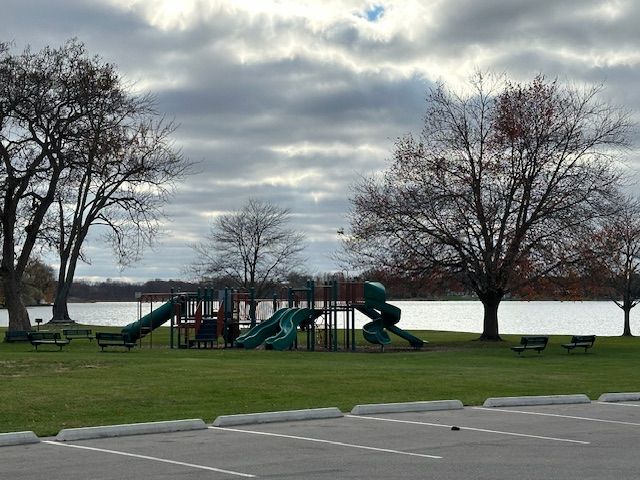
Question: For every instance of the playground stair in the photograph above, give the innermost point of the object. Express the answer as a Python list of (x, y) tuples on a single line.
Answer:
[(207, 334)]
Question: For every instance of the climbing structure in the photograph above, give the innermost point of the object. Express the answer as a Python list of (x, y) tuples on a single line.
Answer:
[(326, 313)]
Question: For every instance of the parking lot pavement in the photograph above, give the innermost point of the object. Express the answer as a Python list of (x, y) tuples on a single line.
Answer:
[(561, 441)]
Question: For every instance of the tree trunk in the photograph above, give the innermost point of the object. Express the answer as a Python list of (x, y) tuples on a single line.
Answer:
[(18, 315), (491, 302), (60, 309), (69, 255), (627, 323)]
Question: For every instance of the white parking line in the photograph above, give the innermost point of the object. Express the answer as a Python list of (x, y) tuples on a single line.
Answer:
[(588, 419), (619, 404), (329, 442), (155, 459), (499, 432)]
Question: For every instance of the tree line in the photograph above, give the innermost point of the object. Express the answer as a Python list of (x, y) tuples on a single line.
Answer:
[(40, 286)]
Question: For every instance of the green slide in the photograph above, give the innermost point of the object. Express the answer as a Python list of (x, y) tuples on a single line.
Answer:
[(262, 331), (150, 321), (289, 328), (384, 317), (374, 331)]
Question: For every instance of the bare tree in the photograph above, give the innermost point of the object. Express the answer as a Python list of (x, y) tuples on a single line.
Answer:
[(498, 188), (45, 98), (253, 246), (125, 173), (613, 258)]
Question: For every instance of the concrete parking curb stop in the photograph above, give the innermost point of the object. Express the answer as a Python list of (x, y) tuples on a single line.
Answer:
[(619, 397), (130, 429), (407, 407), (18, 438), (535, 400), (270, 417)]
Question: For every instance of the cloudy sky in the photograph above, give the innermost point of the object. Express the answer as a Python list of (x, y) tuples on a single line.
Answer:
[(289, 101)]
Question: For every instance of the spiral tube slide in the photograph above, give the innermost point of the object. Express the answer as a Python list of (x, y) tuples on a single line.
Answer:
[(384, 317)]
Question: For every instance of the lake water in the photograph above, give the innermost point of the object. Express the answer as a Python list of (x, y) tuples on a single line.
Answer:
[(547, 318)]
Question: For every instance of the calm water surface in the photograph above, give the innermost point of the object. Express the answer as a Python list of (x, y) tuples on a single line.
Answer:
[(550, 318)]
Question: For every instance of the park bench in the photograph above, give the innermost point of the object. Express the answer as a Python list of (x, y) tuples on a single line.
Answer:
[(47, 338), (16, 336), (538, 343), (580, 341), (109, 339), (73, 333)]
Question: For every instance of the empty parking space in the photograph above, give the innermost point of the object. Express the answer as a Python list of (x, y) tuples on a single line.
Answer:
[(560, 441), (607, 415), (620, 404), (633, 406)]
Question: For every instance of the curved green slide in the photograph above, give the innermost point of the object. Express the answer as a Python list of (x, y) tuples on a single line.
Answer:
[(289, 324), (374, 331), (262, 331), (150, 321), (288, 332), (384, 317)]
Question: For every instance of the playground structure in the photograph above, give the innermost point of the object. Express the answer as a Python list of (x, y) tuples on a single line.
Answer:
[(325, 312)]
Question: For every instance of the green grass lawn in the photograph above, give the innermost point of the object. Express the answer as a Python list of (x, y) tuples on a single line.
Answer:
[(47, 390)]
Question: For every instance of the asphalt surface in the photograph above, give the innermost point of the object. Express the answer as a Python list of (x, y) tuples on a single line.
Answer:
[(587, 441)]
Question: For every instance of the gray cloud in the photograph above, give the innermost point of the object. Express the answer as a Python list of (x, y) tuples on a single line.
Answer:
[(291, 108)]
